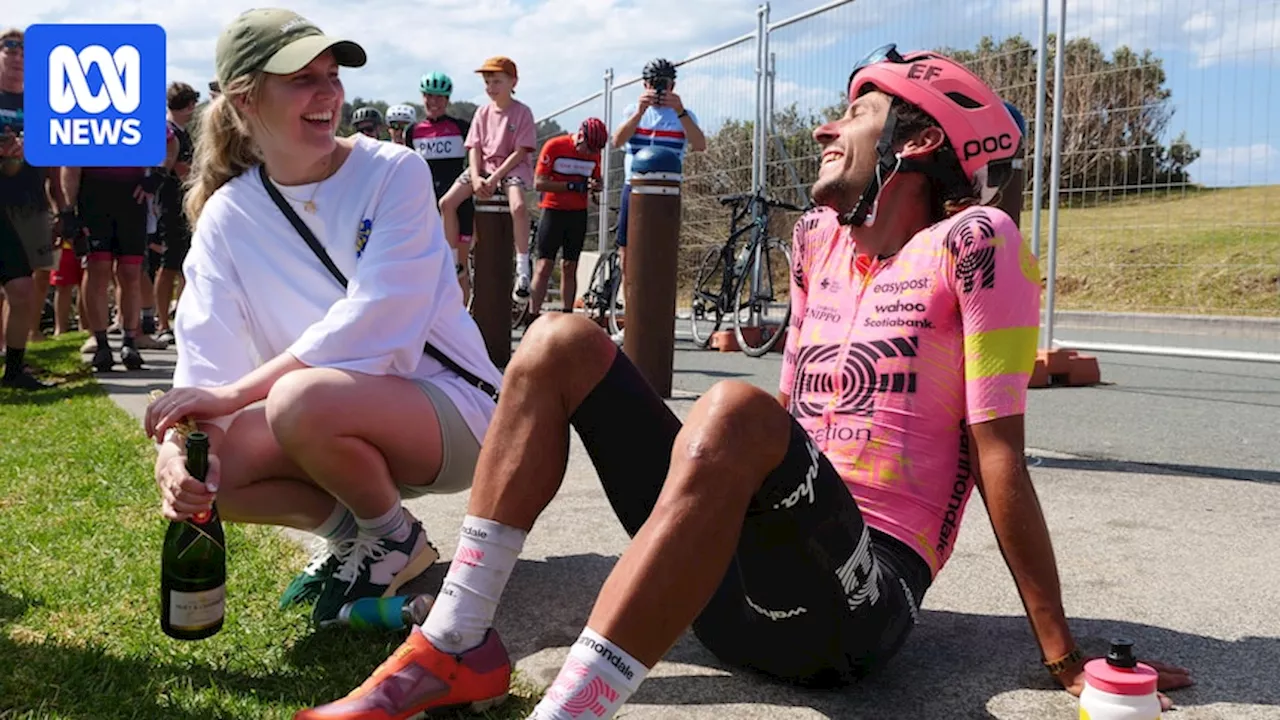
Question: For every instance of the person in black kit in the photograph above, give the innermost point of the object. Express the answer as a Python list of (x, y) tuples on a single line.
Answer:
[(439, 140), (26, 242), (175, 233)]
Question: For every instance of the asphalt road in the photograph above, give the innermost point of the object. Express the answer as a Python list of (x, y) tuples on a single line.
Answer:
[(1161, 488)]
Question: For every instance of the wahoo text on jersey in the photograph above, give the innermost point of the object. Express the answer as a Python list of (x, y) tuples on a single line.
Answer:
[(95, 95)]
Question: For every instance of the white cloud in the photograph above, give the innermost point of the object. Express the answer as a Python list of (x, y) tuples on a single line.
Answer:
[(1256, 164), (1214, 30)]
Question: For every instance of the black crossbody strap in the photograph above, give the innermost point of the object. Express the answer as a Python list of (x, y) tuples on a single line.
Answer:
[(323, 255)]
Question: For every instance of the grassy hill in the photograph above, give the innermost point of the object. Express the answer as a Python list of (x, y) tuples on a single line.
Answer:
[(1210, 252)]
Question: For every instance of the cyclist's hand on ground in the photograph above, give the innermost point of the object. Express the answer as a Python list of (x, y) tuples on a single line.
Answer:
[(1171, 677), (181, 495), (190, 402)]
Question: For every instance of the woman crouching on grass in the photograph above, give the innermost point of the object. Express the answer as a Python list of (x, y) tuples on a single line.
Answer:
[(323, 410)]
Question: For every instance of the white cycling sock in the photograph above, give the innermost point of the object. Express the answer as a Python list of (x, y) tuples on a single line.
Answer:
[(339, 526), (463, 612), (523, 264), (598, 676), (393, 524)]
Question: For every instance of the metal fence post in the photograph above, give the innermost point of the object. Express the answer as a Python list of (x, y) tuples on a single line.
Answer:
[(1037, 184), (604, 162), (1055, 182), (762, 32)]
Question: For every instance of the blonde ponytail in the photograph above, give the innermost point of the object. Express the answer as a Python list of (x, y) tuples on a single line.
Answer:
[(223, 146)]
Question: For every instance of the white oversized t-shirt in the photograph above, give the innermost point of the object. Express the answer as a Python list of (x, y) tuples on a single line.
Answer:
[(255, 290)]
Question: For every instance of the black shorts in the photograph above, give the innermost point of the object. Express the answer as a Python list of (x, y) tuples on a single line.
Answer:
[(117, 223), (174, 232), (561, 228), (14, 263), (813, 596)]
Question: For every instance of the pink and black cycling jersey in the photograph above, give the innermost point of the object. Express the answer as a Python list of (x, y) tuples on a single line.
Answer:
[(440, 143), (889, 360)]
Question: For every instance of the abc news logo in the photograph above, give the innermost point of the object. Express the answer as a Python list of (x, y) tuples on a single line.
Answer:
[(95, 95), (69, 89)]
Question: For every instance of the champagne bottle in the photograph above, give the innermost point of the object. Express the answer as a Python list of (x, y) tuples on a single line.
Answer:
[(193, 566)]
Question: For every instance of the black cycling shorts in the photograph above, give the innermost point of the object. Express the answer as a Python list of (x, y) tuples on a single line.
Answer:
[(813, 596), (14, 262), (117, 223), (561, 228), (173, 229)]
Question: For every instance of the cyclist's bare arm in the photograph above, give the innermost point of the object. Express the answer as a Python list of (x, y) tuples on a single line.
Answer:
[(542, 183), (783, 399), (1020, 529), (70, 186), (693, 133), (628, 128)]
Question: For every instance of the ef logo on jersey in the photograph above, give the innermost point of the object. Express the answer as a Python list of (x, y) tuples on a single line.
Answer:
[(95, 95)]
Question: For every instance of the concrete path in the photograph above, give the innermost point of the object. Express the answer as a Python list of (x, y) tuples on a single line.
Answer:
[(1152, 546)]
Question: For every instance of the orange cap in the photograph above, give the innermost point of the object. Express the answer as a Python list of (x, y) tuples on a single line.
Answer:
[(499, 63)]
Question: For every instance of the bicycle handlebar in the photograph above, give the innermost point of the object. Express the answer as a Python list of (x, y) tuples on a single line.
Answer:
[(741, 198)]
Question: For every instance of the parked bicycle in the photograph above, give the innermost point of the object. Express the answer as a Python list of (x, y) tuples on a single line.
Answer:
[(602, 299), (750, 284)]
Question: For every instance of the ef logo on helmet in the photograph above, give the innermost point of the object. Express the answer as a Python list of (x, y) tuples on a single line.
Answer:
[(924, 71), (95, 95)]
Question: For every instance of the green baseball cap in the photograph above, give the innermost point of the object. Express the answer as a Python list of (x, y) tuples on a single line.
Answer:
[(276, 41)]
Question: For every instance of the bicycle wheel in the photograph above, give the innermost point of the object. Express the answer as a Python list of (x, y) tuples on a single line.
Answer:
[(706, 309), (770, 302), (613, 294), (595, 300)]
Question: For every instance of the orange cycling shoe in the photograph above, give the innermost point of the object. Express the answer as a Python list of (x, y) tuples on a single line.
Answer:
[(418, 680)]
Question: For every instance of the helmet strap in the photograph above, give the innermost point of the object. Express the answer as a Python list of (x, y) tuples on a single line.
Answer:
[(888, 164)]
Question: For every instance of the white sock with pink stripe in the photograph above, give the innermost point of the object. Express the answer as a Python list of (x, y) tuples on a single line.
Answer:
[(597, 679), (486, 555)]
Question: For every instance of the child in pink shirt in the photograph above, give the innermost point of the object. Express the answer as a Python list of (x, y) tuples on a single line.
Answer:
[(500, 147)]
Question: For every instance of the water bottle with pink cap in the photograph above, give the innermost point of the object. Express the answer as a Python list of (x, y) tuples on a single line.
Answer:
[(1118, 687)]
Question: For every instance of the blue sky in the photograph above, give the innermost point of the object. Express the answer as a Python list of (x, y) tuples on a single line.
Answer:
[(1221, 56)]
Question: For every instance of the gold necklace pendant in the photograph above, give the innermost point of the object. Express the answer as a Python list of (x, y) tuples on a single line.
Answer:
[(310, 207)]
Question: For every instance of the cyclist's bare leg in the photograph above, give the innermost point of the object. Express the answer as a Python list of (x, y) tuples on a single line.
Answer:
[(449, 205), (541, 281), (734, 435), (568, 284)]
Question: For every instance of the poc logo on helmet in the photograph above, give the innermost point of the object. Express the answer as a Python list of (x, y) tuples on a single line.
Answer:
[(95, 95)]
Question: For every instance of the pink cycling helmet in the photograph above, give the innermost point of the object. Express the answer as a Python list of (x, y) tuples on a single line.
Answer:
[(984, 135)]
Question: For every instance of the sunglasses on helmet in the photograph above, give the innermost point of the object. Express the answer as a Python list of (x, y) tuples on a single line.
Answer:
[(884, 53)]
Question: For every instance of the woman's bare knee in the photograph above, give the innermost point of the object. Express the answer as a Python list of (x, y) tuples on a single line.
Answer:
[(296, 407)]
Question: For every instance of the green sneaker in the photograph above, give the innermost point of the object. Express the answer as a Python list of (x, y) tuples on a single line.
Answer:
[(306, 585), (374, 567)]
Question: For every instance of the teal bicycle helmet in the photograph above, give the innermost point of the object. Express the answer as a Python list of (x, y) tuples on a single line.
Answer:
[(436, 83)]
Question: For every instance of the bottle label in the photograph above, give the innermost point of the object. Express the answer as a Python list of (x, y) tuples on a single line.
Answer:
[(197, 610)]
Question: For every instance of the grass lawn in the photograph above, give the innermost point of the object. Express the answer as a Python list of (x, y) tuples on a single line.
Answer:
[(80, 537), (1213, 252)]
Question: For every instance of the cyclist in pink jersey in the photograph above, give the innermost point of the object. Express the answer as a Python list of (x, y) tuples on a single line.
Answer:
[(797, 534)]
